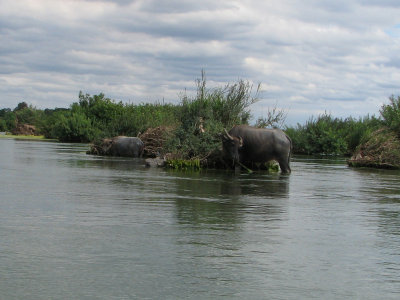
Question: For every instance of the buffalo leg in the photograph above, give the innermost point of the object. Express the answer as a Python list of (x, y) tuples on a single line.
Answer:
[(284, 165)]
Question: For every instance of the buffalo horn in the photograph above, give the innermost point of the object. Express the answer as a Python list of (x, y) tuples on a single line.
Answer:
[(228, 135), (240, 141)]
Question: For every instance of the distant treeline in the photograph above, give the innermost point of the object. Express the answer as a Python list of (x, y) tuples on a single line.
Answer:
[(197, 122)]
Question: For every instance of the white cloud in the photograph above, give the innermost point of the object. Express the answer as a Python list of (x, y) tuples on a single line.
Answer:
[(310, 56)]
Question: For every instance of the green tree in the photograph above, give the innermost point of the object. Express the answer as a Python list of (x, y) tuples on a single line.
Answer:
[(26, 115), (390, 114), (8, 119), (3, 125), (21, 106), (74, 127), (50, 119)]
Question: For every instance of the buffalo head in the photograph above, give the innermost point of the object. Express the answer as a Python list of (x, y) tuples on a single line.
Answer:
[(231, 145)]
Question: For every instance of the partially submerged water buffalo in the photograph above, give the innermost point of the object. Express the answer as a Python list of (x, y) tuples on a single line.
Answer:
[(245, 144), (126, 146), (120, 146)]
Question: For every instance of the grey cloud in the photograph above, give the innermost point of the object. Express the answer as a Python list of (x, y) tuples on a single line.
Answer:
[(183, 27), (118, 2), (311, 55), (178, 6), (380, 3)]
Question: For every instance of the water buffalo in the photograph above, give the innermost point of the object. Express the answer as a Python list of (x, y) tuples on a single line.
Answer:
[(245, 144), (125, 146)]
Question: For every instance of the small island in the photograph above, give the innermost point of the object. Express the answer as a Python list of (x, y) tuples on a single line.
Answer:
[(187, 135)]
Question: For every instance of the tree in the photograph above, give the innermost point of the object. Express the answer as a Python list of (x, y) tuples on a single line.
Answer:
[(74, 127), (390, 114), (21, 106)]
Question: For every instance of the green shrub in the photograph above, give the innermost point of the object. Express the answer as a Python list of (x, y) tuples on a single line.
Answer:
[(114, 119), (390, 114), (333, 136), (318, 136), (184, 165), (8, 119), (74, 127), (3, 125), (203, 118), (357, 131)]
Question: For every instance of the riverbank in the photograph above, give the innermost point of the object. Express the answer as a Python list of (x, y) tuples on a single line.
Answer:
[(26, 137), (381, 150)]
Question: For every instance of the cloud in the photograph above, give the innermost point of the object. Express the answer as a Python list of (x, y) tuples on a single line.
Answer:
[(310, 56)]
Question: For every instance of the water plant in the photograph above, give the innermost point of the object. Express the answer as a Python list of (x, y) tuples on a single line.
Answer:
[(184, 164)]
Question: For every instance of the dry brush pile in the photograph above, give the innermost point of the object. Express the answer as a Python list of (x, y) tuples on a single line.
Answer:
[(154, 140)]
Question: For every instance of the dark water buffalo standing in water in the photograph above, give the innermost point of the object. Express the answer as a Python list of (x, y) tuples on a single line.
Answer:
[(246, 144), (126, 146)]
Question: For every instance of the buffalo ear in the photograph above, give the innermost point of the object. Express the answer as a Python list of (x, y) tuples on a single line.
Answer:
[(240, 142)]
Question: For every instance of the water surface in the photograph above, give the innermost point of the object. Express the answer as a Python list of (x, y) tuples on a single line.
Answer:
[(75, 226)]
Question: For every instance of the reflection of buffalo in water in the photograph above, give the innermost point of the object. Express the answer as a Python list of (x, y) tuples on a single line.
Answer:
[(217, 185), (262, 186), (226, 199)]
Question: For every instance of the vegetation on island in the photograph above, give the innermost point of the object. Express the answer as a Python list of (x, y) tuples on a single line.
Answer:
[(326, 135), (381, 148), (191, 130)]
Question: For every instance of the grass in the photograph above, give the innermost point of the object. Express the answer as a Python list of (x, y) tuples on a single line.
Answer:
[(26, 137), (184, 165)]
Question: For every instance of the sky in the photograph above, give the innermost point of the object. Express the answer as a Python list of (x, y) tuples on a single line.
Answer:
[(341, 57)]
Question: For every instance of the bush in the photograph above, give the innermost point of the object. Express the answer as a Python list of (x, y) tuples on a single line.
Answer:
[(357, 131), (3, 125), (114, 119), (190, 144), (8, 120), (202, 119), (27, 115), (74, 127), (50, 118), (22, 114), (333, 136), (390, 114), (318, 136)]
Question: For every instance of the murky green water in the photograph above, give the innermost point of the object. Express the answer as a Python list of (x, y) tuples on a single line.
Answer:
[(74, 226)]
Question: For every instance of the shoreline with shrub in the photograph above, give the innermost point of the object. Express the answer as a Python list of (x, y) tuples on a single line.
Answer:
[(196, 123)]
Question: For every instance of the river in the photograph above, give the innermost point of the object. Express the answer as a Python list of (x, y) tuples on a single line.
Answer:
[(76, 226)]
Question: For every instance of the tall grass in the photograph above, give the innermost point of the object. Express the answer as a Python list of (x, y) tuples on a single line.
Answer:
[(204, 117)]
